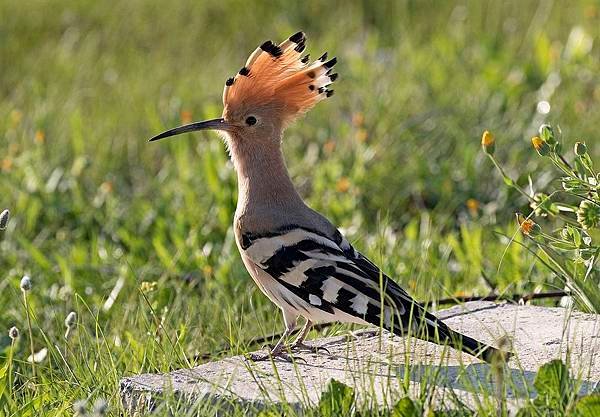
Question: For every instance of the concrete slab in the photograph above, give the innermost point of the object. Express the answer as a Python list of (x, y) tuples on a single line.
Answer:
[(376, 365)]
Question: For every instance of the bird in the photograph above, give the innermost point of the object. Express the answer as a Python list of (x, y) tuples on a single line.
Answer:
[(294, 254)]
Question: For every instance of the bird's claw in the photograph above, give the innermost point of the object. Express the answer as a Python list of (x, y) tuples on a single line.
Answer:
[(301, 347), (275, 355), (280, 352), (261, 357)]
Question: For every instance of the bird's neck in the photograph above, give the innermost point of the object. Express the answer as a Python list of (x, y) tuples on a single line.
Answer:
[(264, 184)]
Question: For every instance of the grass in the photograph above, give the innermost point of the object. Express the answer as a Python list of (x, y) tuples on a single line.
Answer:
[(393, 158)]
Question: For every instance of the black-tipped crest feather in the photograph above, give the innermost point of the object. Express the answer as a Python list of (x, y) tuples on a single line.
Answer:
[(297, 37)]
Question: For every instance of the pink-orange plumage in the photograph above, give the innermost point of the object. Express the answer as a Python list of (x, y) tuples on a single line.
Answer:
[(278, 77)]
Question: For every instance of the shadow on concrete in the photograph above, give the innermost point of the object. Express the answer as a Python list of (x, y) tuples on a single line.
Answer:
[(474, 378)]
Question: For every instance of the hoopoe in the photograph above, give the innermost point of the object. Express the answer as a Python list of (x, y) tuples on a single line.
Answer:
[(299, 260)]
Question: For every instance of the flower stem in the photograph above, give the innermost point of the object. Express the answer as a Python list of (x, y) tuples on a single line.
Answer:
[(30, 333), (10, 366), (509, 181), (564, 161)]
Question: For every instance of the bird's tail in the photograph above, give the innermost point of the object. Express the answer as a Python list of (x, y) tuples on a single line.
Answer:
[(473, 347), (429, 327)]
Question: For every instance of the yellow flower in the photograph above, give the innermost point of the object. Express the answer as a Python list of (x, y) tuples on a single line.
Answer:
[(39, 137), (329, 146), (528, 227), (358, 119), (343, 185), (488, 142), (591, 12), (6, 164), (186, 117), (473, 206), (362, 135), (106, 187), (540, 146)]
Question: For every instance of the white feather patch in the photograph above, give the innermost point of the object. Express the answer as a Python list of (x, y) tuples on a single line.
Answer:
[(322, 81), (314, 300), (330, 288), (360, 304), (296, 276)]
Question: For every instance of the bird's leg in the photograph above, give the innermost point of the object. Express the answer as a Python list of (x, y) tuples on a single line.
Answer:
[(278, 351), (299, 344)]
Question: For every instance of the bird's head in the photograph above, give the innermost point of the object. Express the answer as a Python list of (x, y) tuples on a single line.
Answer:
[(275, 86)]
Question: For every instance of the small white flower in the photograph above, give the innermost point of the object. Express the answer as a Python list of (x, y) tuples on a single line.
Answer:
[(100, 407), (79, 407), (39, 356), (13, 333), (25, 283), (71, 319)]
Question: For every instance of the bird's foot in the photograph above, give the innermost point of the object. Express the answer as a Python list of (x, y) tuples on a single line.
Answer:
[(275, 354), (302, 347), (261, 357)]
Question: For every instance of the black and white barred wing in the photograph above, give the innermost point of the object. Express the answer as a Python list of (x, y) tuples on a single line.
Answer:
[(331, 276)]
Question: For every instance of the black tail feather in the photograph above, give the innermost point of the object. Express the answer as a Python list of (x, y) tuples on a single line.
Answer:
[(413, 318), (434, 330), (475, 348), (443, 334)]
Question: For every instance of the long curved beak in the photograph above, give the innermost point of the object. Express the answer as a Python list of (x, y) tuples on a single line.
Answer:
[(214, 124)]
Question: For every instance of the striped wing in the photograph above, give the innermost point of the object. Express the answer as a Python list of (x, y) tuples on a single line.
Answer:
[(329, 274)]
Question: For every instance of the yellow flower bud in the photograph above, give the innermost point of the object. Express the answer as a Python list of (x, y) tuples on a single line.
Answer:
[(540, 146), (473, 206), (528, 227), (488, 142)]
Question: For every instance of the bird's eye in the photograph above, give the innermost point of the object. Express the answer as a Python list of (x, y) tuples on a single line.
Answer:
[(250, 120)]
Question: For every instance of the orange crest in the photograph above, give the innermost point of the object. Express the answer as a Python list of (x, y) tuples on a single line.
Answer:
[(279, 77)]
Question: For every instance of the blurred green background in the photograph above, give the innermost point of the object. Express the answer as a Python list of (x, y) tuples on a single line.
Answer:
[(393, 158)]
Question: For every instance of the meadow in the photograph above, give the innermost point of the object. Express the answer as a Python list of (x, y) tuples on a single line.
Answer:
[(136, 237)]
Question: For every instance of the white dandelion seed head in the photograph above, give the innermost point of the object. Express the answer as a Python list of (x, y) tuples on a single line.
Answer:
[(25, 283), (100, 407), (79, 407), (71, 319), (13, 333)]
